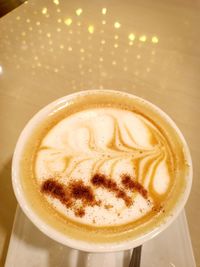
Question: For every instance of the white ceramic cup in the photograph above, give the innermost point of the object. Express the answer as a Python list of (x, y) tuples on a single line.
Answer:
[(62, 238)]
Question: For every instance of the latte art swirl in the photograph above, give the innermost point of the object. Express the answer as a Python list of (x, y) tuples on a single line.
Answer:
[(123, 148)]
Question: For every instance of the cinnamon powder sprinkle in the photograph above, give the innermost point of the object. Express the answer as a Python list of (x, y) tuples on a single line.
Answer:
[(100, 180), (77, 190), (134, 185), (57, 190), (80, 212), (157, 208), (80, 191), (67, 194), (108, 206)]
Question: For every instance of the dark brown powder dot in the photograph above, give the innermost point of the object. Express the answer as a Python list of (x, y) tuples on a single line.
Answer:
[(81, 191), (68, 194), (80, 212), (108, 206), (130, 184), (57, 190), (100, 180)]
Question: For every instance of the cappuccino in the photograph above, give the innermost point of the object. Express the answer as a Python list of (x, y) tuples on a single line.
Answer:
[(104, 166)]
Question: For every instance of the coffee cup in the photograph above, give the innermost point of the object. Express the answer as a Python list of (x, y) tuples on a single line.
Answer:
[(101, 170)]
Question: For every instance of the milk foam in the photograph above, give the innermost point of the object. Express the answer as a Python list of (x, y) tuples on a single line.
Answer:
[(108, 141)]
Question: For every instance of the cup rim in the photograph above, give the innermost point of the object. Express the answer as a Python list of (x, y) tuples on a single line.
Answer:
[(79, 244)]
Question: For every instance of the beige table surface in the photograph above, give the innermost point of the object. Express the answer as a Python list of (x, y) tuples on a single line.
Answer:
[(52, 48)]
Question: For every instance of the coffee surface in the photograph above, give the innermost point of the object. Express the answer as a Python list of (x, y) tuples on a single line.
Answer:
[(103, 167)]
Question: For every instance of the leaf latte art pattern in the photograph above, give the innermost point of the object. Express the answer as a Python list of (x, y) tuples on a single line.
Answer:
[(113, 143)]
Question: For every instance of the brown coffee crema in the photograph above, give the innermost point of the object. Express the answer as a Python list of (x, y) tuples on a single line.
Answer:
[(79, 195)]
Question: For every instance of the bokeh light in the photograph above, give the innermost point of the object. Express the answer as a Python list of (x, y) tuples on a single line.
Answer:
[(143, 38), (104, 11), (131, 37), (91, 29), (79, 11), (1, 70), (56, 2), (117, 25), (154, 39), (44, 10), (68, 21)]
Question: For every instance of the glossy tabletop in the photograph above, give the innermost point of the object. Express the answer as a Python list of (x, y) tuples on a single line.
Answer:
[(51, 48)]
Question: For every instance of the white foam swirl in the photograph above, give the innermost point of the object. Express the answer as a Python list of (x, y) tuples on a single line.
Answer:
[(111, 141)]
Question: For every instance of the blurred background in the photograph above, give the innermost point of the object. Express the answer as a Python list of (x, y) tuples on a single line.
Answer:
[(51, 48)]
